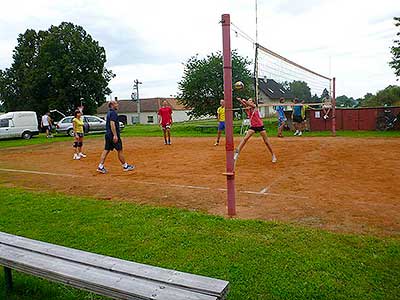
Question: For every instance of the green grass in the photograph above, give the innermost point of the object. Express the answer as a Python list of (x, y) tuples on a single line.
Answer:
[(193, 129), (262, 260)]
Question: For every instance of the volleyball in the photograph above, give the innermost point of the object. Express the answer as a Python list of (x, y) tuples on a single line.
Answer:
[(239, 85)]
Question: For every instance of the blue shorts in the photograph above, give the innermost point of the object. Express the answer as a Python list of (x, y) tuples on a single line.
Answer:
[(281, 121), (221, 126)]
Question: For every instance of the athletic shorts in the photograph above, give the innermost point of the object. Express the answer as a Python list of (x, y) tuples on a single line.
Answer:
[(281, 122), (297, 119), (257, 129), (80, 134), (166, 126), (110, 145), (221, 126)]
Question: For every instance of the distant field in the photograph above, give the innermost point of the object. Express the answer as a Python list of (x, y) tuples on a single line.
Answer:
[(195, 129)]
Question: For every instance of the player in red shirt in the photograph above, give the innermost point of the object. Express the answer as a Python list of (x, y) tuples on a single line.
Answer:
[(256, 125), (165, 121)]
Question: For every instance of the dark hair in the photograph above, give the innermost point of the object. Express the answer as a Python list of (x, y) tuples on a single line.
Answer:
[(76, 112)]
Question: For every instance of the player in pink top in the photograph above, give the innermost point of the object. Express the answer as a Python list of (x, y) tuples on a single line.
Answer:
[(256, 125)]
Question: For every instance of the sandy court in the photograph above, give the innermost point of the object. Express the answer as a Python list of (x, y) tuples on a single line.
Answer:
[(340, 184)]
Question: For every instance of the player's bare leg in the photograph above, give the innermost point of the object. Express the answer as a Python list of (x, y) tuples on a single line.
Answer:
[(248, 135), (165, 136), (218, 138), (169, 135), (268, 144)]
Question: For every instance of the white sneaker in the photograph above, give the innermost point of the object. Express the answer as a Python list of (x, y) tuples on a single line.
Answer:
[(300, 133), (236, 155), (274, 159), (76, 157), (82, 155), (296, 133)]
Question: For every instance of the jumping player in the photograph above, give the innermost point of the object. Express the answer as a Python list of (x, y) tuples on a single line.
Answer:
[(78, 135), (221, 120), (256, 125), (280, 110), (113, 139), (165, 121)]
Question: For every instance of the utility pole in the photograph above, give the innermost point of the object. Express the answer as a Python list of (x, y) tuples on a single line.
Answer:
[(136, 86)]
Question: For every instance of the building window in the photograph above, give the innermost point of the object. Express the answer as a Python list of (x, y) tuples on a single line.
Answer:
[(150, 119), (135, 119)]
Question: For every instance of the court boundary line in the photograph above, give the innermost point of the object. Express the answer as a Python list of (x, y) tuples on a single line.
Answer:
[(193, 187)]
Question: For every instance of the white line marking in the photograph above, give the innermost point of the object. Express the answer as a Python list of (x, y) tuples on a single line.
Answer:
[(263, 192), (38, 173)]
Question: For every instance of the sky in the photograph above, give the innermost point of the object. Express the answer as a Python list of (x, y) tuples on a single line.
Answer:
[(150, 40)]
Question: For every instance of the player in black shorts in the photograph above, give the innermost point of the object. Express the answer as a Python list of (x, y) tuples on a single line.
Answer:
[(113, 139)]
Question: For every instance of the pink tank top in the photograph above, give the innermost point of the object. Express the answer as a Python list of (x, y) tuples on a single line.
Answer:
[(254, 116)]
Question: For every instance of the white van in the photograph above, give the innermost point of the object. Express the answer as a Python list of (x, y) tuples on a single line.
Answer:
[(22, 124)]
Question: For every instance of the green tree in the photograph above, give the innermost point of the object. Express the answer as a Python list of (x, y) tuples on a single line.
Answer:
[(57, 68), (202, 86), (395, 50), (390, 96), (299, 89), (325, 93), (344, 101)]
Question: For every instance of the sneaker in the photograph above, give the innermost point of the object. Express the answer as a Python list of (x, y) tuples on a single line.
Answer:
[(216, 144), (300, 133), (82, 155), (169, 143), (236, 155), (274, 159), (129, 168), (165, 143), (296, 133), (102, 170), (76, 157)]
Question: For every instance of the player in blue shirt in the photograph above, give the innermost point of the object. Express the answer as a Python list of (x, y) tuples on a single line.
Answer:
[(280, 110)]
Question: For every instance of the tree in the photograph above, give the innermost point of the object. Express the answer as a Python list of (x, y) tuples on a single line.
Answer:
[(344, 101), (202, 85), (56, 68), (325, 94), (390, 96), (299, 89), (395, 50)]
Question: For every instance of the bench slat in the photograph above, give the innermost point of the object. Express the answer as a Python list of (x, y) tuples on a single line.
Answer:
[(191, 282), (93, 279)]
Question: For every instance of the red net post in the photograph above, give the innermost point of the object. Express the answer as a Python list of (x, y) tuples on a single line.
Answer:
[(229, 145), (334, 106)]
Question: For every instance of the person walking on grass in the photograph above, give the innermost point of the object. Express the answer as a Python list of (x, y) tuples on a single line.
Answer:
[(280, 110), (296, 117), (46, 124), (221, 120), (113, 139), (78, 135), (256, 125), (165, 121)]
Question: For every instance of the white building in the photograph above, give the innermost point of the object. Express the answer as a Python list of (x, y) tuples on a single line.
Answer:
[(128, 110), (270, 92)]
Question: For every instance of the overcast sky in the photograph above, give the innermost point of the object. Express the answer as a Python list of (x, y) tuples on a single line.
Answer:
[(150, 40)]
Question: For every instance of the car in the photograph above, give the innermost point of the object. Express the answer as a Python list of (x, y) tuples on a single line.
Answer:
[(18, 124), (92, 124)]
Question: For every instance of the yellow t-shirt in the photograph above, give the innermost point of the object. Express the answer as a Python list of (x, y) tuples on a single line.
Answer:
[(78, 125), (221, 114), (303, 110)]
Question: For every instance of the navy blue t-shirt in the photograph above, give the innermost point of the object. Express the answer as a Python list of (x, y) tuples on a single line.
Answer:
[(112, 116), (297, 110)]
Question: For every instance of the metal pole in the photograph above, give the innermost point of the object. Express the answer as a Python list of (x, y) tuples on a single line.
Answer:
[(137, 98), (334, 106), (227, 61)]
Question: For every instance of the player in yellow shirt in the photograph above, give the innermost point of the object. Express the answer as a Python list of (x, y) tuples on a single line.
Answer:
[(221, 120), (77, 122)]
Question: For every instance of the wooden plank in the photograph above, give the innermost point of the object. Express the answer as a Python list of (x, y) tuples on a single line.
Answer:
[(206, 285), (90, 278)]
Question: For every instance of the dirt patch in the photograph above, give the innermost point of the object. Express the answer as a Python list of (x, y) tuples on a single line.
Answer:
[(340, 184)]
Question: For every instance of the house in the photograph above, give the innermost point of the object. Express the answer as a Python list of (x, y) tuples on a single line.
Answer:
[(128, 110), (271, 91)]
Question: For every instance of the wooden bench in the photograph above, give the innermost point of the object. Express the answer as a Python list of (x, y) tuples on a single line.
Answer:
[(104, 275)]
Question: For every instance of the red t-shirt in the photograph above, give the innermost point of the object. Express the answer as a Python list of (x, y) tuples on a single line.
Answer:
[(254, 116), (165, 114)]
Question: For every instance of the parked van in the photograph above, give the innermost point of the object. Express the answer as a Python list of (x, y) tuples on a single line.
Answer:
[(22, 124)]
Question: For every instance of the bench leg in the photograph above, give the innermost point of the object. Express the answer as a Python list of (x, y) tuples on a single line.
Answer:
[(8, 278)]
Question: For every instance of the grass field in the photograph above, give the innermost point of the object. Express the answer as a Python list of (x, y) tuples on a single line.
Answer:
[(262, 260), (193, 129)]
